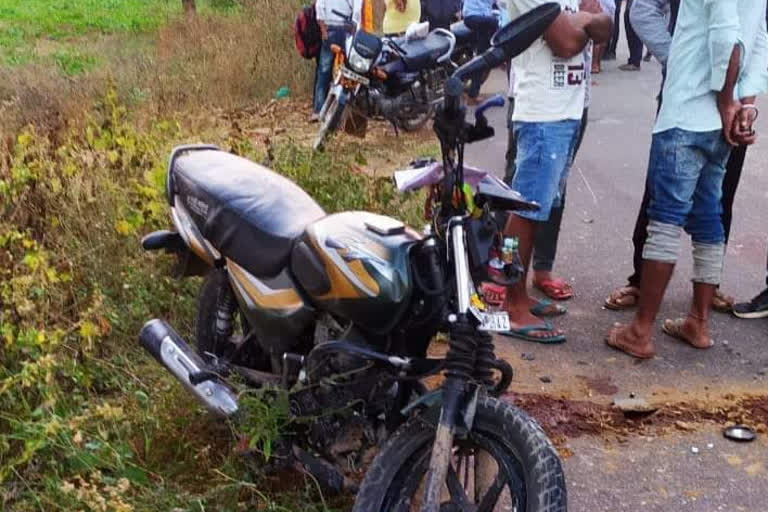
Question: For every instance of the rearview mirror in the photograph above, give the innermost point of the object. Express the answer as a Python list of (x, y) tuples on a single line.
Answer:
[(516, 36)]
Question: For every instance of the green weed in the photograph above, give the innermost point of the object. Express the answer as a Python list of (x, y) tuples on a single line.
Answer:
[(88, 421)]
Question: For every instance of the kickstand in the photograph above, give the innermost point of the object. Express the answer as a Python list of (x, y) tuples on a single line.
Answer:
[(397, 130)]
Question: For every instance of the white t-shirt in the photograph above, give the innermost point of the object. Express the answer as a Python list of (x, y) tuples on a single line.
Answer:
[(547, 88)]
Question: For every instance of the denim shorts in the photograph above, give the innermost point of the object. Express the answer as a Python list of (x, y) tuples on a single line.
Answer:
[(685, 180), (544, 157)]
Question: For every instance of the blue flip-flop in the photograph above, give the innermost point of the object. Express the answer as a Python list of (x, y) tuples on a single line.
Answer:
[(540, 308), (522, 333)]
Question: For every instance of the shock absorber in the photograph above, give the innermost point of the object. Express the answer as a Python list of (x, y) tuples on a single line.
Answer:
[(486, 359), (225, 312)]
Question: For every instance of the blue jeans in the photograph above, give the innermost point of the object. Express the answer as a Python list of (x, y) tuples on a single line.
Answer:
[(685, 177), (544, 156), (336, 35), (483, 28)]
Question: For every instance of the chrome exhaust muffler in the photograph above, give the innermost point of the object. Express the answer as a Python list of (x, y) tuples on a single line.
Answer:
[(159, 339)]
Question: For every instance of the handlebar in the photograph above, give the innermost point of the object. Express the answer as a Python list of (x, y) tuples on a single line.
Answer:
[(495, 102)]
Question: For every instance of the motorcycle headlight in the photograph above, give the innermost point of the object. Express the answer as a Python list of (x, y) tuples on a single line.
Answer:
[(359, 63)]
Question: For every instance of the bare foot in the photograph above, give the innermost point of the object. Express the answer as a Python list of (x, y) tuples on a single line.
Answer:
[(692, 331), (629, 341)]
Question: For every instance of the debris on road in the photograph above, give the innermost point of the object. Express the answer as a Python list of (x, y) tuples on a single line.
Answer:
[(545, 379), (739, 433), (634, 405)]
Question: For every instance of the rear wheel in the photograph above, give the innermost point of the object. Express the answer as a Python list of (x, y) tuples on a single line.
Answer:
[(520, 469), (331, 117), (217, 304)]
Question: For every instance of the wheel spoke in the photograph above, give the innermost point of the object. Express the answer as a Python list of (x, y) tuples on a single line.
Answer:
[(458, 494), (488, 503)]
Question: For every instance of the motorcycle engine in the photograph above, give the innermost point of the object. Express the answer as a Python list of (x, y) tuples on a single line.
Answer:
[(339, 403)]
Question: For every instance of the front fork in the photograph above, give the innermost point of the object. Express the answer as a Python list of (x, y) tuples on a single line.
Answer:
[(454, 390)]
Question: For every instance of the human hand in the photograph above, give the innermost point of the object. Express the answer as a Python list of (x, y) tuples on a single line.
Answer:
[(729, 109), (323, 29), (400, 5), (592, 6), (743, 131)]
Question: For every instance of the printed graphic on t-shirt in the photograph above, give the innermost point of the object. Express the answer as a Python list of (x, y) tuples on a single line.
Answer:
[(566, 74)]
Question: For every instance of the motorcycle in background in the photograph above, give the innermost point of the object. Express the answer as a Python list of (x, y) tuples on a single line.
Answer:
[(338, 312), (394, 79)]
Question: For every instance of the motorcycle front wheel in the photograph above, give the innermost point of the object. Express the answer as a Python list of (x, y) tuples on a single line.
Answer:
[(330, 117), (505, 463)]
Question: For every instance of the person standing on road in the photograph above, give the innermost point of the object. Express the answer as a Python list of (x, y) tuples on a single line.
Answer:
[(634, 42), (399, 15), (716, 67), (334, 29), (655, 28), (549, 104), (548, 234), (478, 17)]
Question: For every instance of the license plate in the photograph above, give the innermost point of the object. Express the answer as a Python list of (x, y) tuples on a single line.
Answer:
[(348, 73), (497, 321)]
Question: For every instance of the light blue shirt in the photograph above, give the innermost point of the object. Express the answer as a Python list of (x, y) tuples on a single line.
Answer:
[(477, 8), (706, 32)]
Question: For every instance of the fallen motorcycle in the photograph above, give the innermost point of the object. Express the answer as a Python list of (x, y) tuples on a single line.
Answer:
[(338, 310)]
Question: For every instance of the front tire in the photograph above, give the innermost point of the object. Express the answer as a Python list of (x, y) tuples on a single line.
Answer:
[(529, 475), (330, 118)]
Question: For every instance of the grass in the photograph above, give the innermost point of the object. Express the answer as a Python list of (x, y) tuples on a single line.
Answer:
[(87, 421), (25, 22)]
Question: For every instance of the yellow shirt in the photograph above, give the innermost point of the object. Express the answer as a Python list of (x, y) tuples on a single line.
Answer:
[(396, 22)]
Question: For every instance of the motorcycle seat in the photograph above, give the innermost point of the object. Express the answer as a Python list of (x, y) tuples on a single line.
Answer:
[(423, 53), (462, 32), (249, 214)]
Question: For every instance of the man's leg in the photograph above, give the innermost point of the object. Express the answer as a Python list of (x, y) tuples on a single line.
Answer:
[(634, 43), (705, 226), (730, 184), (610, 52), (673, 172), (548, 234), (538, 179), (325, 68), (483, 28)]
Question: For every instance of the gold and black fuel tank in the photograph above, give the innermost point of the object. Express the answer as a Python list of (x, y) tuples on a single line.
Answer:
[(355, 265)]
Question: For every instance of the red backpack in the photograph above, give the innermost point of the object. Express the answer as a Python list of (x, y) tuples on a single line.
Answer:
[(307, 33)]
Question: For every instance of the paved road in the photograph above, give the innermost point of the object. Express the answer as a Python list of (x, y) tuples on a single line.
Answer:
[(604, 193)]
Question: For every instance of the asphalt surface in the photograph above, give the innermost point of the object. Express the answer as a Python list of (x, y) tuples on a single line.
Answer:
[(604, 194)]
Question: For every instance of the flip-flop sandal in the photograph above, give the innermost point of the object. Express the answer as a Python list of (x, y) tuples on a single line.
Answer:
[(722, 303), (555, 289), (613, 341), (674, 328), (547, 308), (523, 333), (625, 297)]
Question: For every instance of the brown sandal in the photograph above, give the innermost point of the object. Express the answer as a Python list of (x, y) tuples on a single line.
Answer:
[(623, 298), (613, 341), (674, 328), (722, 303)]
